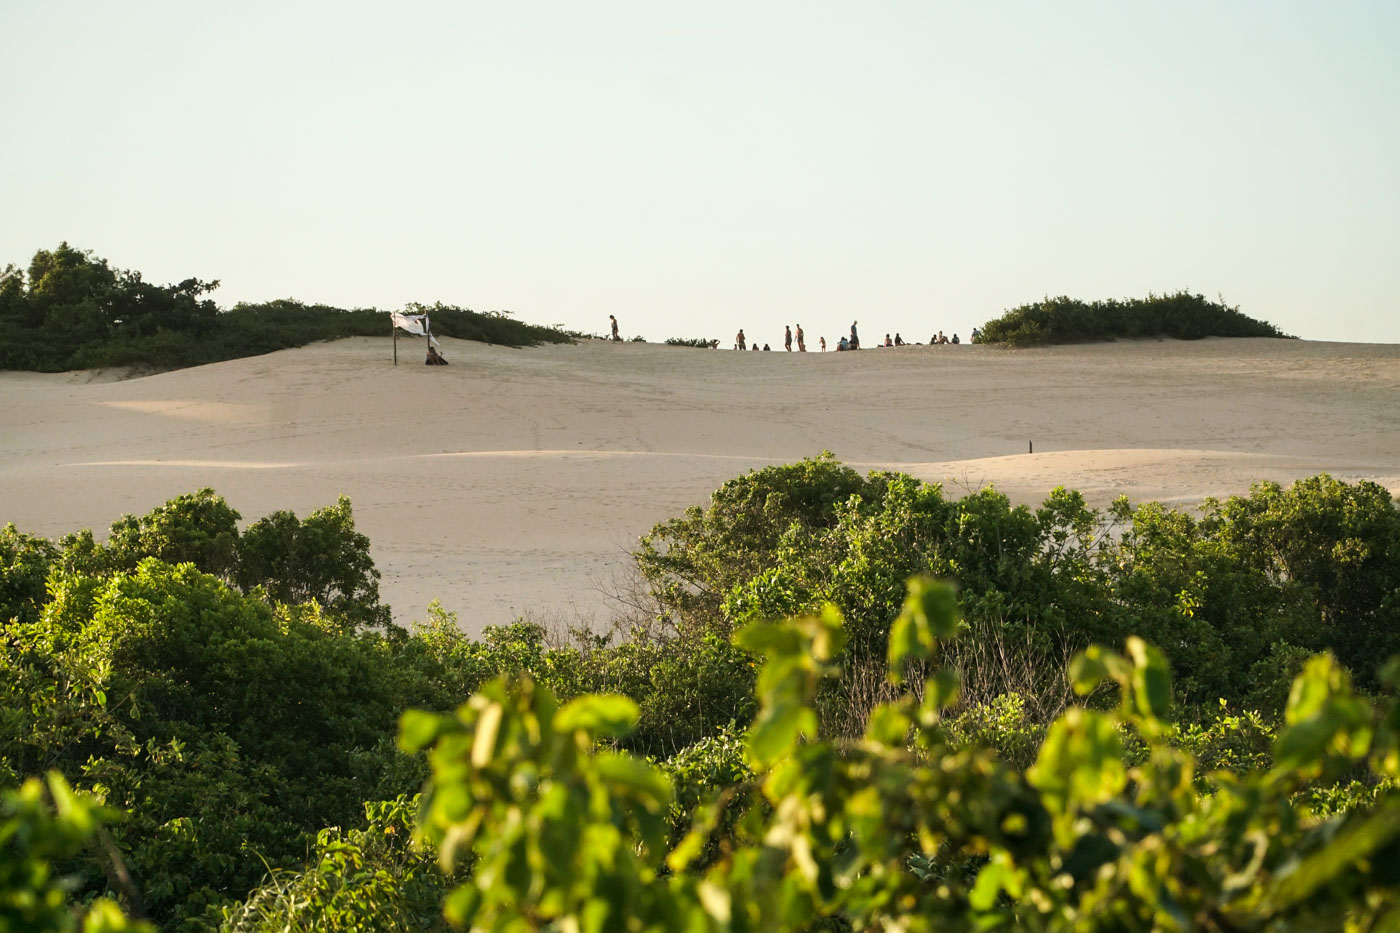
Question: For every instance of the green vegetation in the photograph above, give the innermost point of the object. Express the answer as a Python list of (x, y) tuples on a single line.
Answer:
[(73, 311), (224, 706), (1067, 320), (698, 342), (1112, 827)]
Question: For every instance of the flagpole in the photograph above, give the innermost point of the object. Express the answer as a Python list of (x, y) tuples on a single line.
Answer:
[(394, 327)]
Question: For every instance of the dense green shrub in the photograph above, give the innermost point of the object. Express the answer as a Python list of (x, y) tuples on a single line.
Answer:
[(24, 566), (320, 559), (223, 730), (1067, 320), (356, 880), (900, 830), (1235, 597)]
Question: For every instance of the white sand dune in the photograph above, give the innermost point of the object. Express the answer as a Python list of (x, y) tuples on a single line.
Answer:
[(515, 481)]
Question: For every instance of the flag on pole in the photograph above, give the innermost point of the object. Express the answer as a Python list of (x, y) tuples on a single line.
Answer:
[(416, 324)]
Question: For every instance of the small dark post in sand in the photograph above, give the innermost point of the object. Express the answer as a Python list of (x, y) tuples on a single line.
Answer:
[(1031, 447)]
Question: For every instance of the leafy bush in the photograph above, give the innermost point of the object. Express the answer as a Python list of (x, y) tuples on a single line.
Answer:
[(356, 880), (1067, 320), (24, 566), (902, 831), (229, 697), (1236, 597), (320, 559), (42, 824), (699, 342)]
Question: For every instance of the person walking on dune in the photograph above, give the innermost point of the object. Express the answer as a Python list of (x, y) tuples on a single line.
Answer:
[(617, 338), (787, 338), (739, 340), (801, 341)]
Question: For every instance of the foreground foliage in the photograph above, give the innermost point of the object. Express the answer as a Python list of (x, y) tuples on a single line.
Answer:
[(71, 310), (900, 830), (43, 823), (225, 702), (1181, 315)]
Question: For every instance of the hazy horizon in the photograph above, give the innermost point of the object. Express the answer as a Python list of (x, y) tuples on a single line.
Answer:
[(918, 167)]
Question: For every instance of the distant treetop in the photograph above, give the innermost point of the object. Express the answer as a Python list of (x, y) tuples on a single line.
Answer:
[(73, 311), (1068, 320)]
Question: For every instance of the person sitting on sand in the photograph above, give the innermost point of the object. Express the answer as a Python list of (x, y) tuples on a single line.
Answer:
[(756, 348), (898, 340), (888, 341), (976, 335), (955, 338), (434, 357), (767, 349), (843, 345)]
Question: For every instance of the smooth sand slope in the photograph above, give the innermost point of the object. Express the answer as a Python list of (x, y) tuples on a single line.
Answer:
[(515, 481)]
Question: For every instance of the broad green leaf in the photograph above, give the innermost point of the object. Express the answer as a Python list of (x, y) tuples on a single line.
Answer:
[(1151, 679), (418, 729), (598, 714), (635, 775), (1353, 844), (775, 732), (1081, 760), (1087, 670)]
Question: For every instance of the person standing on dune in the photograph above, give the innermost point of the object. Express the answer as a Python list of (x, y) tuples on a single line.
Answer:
[(615, 336), (801, 341), (787, 338), (739, 340)]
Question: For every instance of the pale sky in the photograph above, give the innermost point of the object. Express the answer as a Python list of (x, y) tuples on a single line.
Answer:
[(697, 168)]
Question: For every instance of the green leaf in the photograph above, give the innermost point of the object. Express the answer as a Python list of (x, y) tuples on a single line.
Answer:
[(461, 905), (1152, 682), (1087, 670), (599, 715), (418, 729), (767, 637), (638, 777), (776, 731)]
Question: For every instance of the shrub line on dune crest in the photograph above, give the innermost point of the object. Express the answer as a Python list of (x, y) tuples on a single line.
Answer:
[(1181, 315), (70, 310)]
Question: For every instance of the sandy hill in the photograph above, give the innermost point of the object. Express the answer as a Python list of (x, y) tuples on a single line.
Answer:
[(515, 481)]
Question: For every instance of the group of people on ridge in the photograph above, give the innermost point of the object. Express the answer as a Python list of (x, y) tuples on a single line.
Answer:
[(741, 342)]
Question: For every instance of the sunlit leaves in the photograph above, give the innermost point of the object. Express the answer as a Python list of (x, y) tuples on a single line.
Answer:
[(1107, 829)]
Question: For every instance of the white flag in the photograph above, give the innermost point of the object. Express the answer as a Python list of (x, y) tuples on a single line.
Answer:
[(413, 323)]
